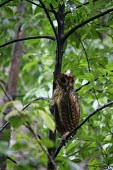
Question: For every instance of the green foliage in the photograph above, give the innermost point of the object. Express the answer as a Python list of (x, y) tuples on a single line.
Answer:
[(88, 54)]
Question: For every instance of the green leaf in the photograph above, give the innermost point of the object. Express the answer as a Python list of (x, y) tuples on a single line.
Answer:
[(74, 166), (70, 148), (3, 147), (94, 163), (48, 120), (48, 143), (9, 11), (17, 121)]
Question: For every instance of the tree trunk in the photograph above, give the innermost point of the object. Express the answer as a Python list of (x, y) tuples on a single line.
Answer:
[(12, 80), (57, 69)]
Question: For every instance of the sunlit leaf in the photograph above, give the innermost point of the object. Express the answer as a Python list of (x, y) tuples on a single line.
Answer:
[(48, 120)]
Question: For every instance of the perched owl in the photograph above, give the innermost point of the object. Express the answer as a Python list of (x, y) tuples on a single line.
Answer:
[(65, 103)]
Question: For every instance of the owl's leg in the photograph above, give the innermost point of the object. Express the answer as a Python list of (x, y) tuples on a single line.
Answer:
[(64, 139), (64, 136)]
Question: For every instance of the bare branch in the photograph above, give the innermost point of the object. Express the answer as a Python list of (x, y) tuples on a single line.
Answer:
[(5, 92), (82, 86), (12, 160), (84, 52), (39, 98), (29, 38), (2, 4), (80, 125), (86, 22), (55, 13), (38, 5), (34, 3), (48, 16), (2, 81), (4, 126)]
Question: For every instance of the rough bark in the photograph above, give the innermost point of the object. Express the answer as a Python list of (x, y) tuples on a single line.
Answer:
[(60, 16)]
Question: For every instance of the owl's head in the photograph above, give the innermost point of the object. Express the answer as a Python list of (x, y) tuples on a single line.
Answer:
[(66, 81)]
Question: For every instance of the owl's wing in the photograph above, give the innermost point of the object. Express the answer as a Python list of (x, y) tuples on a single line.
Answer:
[(70, 110), (74, 93), (59, 125)]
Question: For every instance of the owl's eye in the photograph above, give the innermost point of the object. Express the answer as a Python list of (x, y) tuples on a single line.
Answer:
[(63, 80)]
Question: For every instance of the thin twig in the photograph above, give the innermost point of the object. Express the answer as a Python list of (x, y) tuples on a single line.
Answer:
[(79, 6), (41, 145), (4, 126), (34, 3), (82, 149), (79, 126), (55, 13), (37, 5), (83, 86), (2, 81), (27, 125), (89, 69), (86, 22), (39, 98), (49, 18), (86, 3), (84, 52), (29, 38), (96, 96), (5, 92), (12, 160), (2, 4)]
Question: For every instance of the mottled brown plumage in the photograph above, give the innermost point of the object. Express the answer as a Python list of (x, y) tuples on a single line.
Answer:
[(65, 103)]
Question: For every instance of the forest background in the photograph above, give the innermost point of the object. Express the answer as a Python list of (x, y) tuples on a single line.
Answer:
[(38, 40)]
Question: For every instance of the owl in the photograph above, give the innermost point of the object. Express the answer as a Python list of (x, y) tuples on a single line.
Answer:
[(65, 104)]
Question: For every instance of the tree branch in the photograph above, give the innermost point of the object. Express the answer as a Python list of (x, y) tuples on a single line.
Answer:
[(2, 81), (37, 137), (38, 5), (48, 16), (34, 3), (28, 38), (12, 160), (62, 143), (55, 13), (4, 126), (86, 3), (79, 6), (85, 22), (39, 98), (89, 69), (82, 86), (5, 92), (84, 52), (2, 4)]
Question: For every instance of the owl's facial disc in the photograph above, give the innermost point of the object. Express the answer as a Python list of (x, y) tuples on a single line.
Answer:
[(63, 80), (71, 83), (66, 81)]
